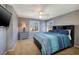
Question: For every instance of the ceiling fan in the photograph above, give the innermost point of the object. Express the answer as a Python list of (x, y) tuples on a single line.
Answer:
[(42, 14)]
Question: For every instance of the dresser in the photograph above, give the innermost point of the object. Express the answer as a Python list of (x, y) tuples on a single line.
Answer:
[(23, 35)]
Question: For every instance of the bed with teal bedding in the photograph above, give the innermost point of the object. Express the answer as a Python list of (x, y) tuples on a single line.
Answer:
[(52, 42)]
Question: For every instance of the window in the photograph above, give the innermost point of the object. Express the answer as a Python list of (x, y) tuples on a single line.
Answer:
[(49, 25), (34, 26)]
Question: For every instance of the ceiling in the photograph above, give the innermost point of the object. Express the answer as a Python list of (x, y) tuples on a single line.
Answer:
[(48, 10)]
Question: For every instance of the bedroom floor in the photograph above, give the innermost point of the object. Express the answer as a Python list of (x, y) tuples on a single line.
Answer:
[(27, 47)]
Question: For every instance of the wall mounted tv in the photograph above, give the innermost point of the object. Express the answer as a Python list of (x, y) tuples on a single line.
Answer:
[(5, 16)]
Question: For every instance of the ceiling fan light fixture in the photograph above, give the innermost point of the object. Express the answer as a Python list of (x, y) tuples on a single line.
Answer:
[(40, 17), (41, 13)]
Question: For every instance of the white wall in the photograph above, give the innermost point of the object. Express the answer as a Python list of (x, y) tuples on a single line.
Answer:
[(69, 19), (12, 32), (42, 26), (77, 35)]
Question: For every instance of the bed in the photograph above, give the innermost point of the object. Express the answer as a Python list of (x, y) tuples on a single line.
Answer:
[(52, 42)]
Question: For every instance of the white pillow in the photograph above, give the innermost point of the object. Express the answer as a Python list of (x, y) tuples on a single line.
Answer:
[(69, 34)]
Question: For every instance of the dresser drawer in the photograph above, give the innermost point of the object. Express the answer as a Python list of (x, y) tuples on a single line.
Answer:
[(23, 35)]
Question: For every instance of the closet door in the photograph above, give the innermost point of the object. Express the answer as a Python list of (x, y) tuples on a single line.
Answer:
[(2, 40)]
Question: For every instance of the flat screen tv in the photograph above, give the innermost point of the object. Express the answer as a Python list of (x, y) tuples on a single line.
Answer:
[(5, 16)]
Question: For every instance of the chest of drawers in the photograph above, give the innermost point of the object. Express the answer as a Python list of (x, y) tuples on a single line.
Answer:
[(23, 35)]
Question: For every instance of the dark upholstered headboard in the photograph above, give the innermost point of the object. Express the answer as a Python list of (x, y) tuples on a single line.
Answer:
[(71, 27)]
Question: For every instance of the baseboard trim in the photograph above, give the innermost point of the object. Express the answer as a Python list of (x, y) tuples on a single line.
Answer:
[(76, 46), (9, 50)]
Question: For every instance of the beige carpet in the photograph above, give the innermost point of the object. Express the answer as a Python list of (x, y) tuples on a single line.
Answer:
[(69, 51), (27, 47)]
